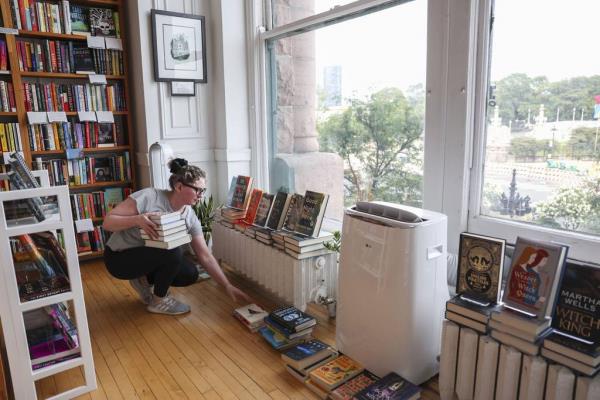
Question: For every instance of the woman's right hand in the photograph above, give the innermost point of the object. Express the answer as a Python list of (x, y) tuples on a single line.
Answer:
[(146, 224)]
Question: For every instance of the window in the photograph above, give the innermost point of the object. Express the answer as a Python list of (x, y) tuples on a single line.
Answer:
[(538, 171), (343, 86)]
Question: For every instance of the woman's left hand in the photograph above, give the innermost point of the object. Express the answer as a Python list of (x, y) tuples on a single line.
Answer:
[(237, 295)]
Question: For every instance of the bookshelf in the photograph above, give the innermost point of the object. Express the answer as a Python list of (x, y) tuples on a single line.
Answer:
[(122, 116), (14, 308)]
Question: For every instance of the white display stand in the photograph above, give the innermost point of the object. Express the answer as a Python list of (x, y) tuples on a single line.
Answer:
[(12, 309)]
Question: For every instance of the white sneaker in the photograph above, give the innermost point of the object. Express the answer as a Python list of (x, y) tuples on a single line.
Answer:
[(167, 305), (143, 289)]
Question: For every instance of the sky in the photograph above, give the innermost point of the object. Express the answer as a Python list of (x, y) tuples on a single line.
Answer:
[(388, 48)]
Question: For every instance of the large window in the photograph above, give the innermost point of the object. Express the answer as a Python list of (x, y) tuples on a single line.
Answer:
[(344, 86), (541, 155)]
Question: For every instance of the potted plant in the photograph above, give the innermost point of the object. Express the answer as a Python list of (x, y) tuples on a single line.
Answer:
[(206, 210)]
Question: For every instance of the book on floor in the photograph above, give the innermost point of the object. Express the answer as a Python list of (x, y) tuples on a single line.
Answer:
[(288, 333), (534, 277), (168, 245), (348, 390), (312, 213), (308, 353), (336, 372), (316, 389), (392, 387), (480, 264), (251, 315), (577, 311), (277, 340), (292, 318)]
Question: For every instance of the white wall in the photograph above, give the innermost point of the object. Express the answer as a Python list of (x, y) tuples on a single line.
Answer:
[(210, 129)]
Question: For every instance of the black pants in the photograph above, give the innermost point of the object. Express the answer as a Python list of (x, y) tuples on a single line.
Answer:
[(163, 268)]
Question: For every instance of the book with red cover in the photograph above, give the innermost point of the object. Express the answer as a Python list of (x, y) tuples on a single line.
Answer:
[(255, 197)]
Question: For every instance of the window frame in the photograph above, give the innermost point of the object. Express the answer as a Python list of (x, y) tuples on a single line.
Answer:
[(582, 246)]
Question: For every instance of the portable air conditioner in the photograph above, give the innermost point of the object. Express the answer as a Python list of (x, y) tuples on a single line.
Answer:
[(392, 288)]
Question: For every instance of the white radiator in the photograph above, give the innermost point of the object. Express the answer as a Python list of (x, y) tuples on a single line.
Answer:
[(293, 281)]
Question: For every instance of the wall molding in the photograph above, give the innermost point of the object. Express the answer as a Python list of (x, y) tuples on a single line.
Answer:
[(229, 155)]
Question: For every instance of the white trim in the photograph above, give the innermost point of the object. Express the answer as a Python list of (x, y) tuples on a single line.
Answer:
[(228, 155), (582, 247)]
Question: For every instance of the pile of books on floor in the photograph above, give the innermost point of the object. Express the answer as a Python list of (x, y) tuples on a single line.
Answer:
[(171, 229), (542, 342), (288, 222)]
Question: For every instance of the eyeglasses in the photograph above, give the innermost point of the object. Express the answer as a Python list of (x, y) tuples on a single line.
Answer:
[(199, 191)]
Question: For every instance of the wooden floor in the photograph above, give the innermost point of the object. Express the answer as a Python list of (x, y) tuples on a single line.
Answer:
[(206, 354)]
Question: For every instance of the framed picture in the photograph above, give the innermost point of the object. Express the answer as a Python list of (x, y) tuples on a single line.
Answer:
[(179, 46), (183, 88)]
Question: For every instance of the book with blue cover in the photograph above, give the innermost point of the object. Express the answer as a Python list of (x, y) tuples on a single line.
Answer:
[(390, 387), (305, 354), (292, 318), (276, 339), (289, 334)]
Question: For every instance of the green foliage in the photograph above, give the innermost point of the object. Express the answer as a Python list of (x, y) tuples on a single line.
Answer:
[(335, 243), (570, 207), (582, 142), (206, 210), (379, 140), (528, 148)]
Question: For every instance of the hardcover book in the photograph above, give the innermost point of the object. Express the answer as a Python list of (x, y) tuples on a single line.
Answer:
[(473, 310), (335, 372), (577, 310), (264, 209), (390, 387), (106, 135), (102, 22), (255, 197), (292, 318), (480, 263), (313, 211), (241, 192), (83, 61), (278, 211), (293, 212), (231, 190), (112, 198), (80, 19), (354, 385), (102, 170), (534, 277), (305, 354), (289, 334), (276, 339), (571, 347), (251, 315)]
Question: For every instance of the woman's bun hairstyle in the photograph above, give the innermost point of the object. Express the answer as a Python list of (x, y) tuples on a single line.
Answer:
[(176, 164)]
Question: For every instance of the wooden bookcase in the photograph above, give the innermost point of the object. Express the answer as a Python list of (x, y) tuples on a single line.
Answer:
[(17, 76)]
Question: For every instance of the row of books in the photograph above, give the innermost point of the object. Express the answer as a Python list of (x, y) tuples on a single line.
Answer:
[(75, 135), (7, 97), (51, 335), (67, 57), (88, 170), (10, 137), (478, 367), (171, 230), (73, 97), (63, 17), (97, 204), (92, 241), (20, 177)]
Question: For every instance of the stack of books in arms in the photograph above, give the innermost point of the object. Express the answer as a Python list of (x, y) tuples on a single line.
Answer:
[(287, 326), (172, 231), (238, 199), (51, 335), (575, 342), (530, 295), (251, 315)]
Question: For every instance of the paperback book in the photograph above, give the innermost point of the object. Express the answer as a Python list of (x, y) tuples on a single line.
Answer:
[(279, 210), (306, 354), (480, 264), (251, 315), (241, 192), (534, 277), (390, 387), (313, 211), (292, 318), (336, 372), (348, 390), (293, 212), (264, 209)]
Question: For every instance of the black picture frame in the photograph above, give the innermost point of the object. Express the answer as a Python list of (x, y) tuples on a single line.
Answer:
[(179, 46), (179, 88)]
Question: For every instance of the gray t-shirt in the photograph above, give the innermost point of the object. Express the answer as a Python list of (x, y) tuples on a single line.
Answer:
[(151, 200)]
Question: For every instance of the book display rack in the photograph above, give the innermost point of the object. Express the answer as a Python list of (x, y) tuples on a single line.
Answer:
[(64, 81), (42, 309)]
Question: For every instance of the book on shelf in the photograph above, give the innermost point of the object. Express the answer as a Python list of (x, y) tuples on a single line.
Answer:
[(106, 135), (487, 362), (509, 366), (276, 339), (170, 244), (302, 256), (293, 212), (533, 378), (480, 264), (33, 206), (467, 322), (302, 241), (279, 210), (336, 372), (304, 355), (528, 336), (304, 249), (251, 316), (112, 198), (348, 390), (292, 318), (587, 388), (570, 347), (473, 310), (313, 211), (560, 383), (83, 59), (448, 358), (80, 19), (288, 333), (255, 197), (241, 193), (534, 277), (392, 387), (524, 346), (522, 322), (264, 209), (577, 312), (466, 363)]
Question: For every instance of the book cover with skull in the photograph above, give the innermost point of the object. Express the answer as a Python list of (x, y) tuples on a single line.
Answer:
[(102, 22)]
